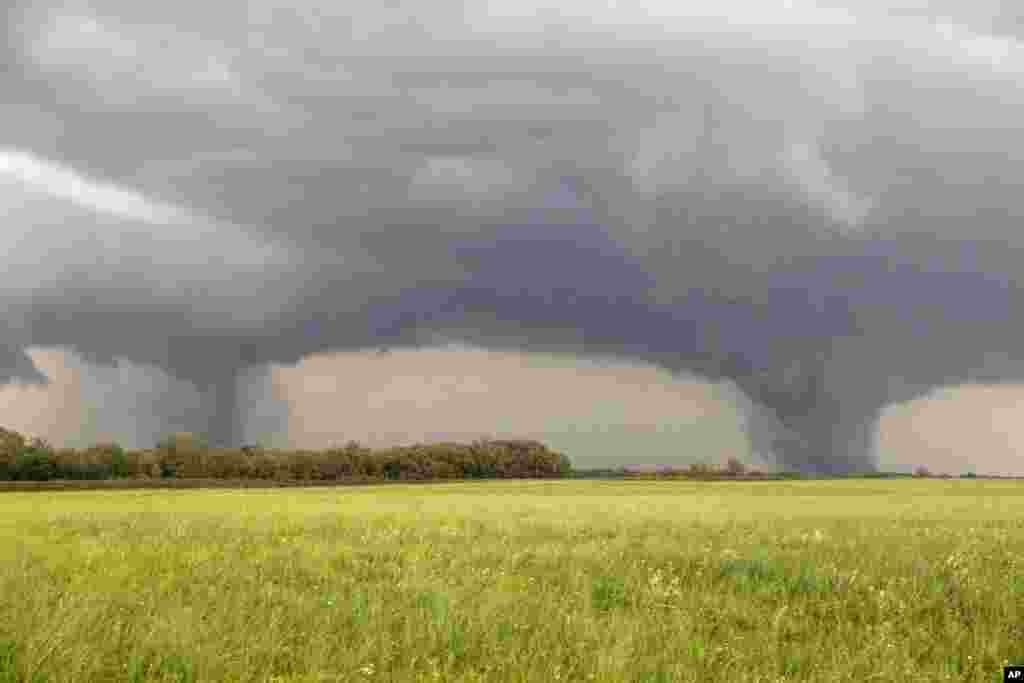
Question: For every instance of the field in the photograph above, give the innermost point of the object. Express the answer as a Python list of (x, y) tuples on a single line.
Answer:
[(517, 581)]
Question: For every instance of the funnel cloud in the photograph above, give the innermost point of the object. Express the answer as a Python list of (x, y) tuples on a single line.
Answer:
[(816, 203)]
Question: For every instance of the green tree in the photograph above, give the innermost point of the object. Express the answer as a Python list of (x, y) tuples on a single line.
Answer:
[(11, 445), (35, 462)]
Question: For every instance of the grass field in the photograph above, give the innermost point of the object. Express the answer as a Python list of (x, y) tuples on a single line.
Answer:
[(517, 581)]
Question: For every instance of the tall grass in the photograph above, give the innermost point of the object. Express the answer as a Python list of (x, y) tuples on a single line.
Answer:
[(517, 581)]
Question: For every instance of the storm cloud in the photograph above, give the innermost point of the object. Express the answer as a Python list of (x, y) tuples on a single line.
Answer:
[(815, 202)]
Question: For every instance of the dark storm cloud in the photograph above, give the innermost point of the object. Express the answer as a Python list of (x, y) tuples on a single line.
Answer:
[(818, 202), (16, 365)]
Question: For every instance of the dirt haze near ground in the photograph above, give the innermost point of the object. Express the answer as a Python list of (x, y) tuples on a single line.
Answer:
[(598, 412), (957, 430)]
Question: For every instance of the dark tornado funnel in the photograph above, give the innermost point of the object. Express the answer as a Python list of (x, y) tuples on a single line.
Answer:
[(804, 422), (223, 428)]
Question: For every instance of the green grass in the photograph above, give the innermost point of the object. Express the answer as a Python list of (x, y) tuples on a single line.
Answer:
[(651, 581)]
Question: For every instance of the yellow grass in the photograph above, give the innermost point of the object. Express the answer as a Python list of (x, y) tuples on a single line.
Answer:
[(517, 581)]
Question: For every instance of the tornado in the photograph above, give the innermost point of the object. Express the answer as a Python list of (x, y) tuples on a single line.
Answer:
[(223, 423)]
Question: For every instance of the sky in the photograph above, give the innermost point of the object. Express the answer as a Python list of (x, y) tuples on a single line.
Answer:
[(808, 209)]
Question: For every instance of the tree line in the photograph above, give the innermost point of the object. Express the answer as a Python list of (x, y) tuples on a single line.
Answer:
[(184, 456)]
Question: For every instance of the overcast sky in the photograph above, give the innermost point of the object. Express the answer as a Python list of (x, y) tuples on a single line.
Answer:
[(816, 202)]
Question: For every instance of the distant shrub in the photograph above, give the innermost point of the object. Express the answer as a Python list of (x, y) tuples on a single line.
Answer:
[(11, 444), (734, 467), (184, 453), (225, 464), (700, 470), (144, 464), (118, 462), (106, 458), (598, 473), (80, 471), (882, 475)]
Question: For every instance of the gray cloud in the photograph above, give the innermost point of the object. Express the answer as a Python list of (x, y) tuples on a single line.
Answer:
[(816, 201)]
